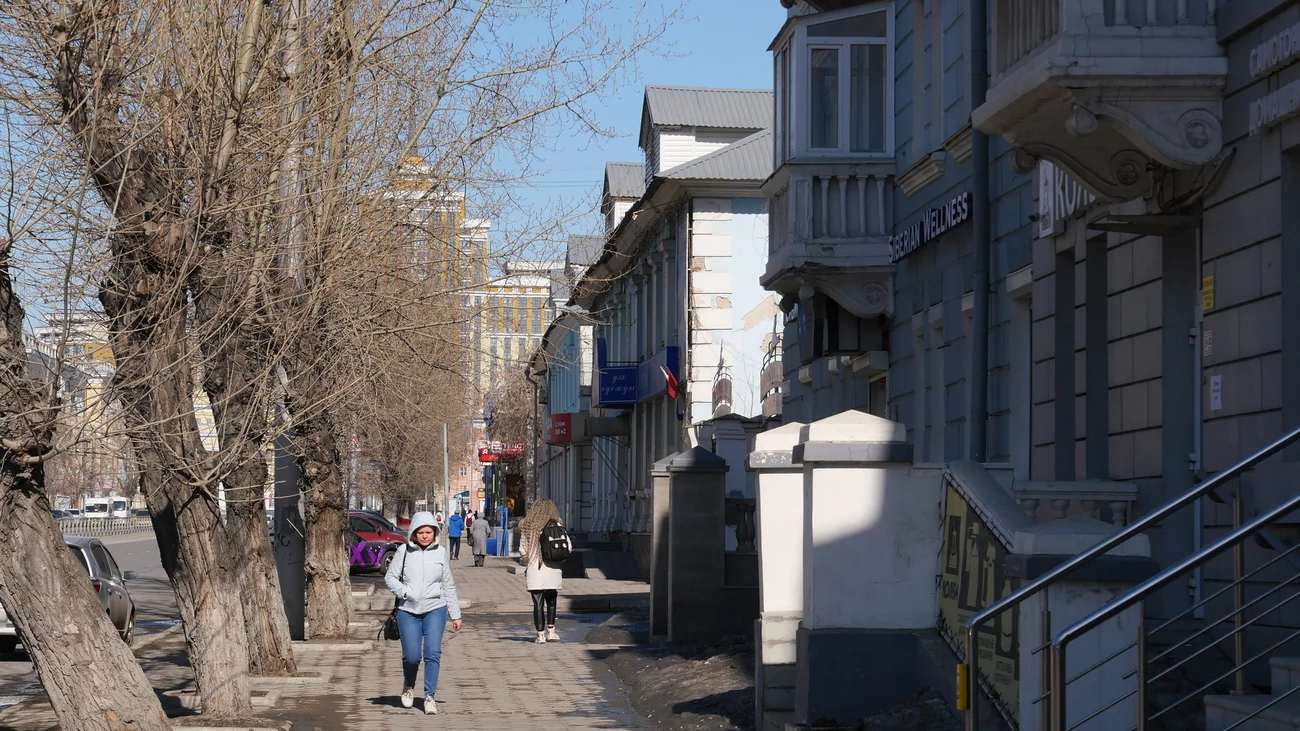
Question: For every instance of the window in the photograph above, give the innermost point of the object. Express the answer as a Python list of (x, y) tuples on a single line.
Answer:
[(464, 472), (837, 69)]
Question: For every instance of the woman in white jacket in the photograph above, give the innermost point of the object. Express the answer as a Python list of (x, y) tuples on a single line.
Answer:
[(420, 576), (543, 578)]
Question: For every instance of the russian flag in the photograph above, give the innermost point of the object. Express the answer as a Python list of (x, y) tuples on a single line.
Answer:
[(672, 381)]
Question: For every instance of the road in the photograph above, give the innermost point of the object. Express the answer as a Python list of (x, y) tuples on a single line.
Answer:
[(155, 612)]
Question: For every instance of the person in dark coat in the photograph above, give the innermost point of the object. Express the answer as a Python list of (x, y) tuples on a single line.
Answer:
[(478, 538)]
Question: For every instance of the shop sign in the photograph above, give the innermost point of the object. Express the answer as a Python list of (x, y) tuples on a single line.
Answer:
[(1274, 107), (935, 223), (974, 577), (616, 386), (559, 428), (499, 451), (650, 378), (1283, 103), (1280, 50), (1060, 197)]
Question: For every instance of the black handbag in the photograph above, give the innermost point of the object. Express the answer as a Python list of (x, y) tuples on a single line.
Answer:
[(390, 630)]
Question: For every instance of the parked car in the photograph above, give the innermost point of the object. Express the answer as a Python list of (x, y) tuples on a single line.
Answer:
[(108, 581), (366, 555), (72, 512), (59, 514), (140, 513), (369, 530), (383, 522)]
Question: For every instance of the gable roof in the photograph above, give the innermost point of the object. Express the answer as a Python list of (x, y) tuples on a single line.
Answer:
[(624, 179), (686, 106), (745, 159)]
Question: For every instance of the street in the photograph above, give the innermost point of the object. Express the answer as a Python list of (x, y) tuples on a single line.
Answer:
[(155, 612)]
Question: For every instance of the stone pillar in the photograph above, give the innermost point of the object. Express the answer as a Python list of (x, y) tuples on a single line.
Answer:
[(659, 550), (779, 484), (697, 603), (1039, 549), (732, 444), (871, 544)]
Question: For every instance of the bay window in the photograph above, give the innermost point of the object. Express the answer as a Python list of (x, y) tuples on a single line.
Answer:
[(834, 91)]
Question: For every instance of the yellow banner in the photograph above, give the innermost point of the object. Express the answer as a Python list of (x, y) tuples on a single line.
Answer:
[(974, 576)]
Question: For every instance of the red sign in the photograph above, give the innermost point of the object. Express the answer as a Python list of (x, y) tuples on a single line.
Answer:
[(499, 452), (559, 428)]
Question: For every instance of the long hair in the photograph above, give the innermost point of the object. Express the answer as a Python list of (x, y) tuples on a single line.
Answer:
[(539, 515)]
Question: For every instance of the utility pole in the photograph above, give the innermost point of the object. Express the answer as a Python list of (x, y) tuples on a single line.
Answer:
[(446, 475)]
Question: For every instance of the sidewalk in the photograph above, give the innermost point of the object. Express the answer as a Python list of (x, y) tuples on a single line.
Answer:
[(493, 675)]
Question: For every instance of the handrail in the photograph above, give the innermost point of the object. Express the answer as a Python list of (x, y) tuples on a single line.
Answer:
[(1137, 593), (1130, 531)]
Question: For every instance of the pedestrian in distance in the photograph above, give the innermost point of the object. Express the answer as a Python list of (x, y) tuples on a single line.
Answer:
[(478, 537), (420, 577), (543, 578), (455, 528)]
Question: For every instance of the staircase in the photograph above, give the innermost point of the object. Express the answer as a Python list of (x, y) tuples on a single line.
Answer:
[(1229, 662), (596, 559)]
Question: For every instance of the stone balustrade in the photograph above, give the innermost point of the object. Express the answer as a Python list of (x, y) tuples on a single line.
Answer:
[(1045, 501)]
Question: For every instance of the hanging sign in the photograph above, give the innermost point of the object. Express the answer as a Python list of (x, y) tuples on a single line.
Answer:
[(1060, 197), (935, 223)]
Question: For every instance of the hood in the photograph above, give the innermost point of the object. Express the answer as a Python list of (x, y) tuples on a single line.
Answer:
[(418, 521)]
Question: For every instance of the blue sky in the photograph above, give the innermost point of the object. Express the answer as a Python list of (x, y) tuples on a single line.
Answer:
[(716, 43)]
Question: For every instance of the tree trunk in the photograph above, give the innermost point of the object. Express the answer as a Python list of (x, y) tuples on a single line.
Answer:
[(154, 381), (236, 379), (329, 585), (91, 677)]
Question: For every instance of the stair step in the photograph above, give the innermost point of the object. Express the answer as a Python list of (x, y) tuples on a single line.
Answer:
[(1222, 711), (1285, 673)]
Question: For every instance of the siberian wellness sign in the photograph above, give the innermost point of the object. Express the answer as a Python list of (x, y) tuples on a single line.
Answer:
[(935, 223), (1266, 58)]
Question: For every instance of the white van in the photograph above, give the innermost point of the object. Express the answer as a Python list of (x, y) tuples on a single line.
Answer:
[(106, 507)]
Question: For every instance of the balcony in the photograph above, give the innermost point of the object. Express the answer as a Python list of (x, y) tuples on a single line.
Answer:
[(829, 230), (1110, 90)]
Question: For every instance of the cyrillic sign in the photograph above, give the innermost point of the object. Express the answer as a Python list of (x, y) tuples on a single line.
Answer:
[(1059, 198), (935, 223), (1271, 55), (1274, 107), (1279, 50)]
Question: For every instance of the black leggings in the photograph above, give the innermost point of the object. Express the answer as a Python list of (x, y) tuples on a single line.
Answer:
[(544, 608)]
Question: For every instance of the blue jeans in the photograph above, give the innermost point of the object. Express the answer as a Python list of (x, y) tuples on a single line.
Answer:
[(422, 629)]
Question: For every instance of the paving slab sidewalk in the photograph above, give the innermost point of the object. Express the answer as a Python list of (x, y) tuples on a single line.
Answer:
[(493, 675)]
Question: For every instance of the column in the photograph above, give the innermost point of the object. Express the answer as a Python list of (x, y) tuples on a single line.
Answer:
[(698, 610)]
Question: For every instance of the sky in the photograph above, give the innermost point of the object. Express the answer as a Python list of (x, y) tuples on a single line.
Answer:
[(715, 43)]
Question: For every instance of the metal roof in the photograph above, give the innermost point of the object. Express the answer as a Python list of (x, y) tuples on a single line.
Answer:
[(685, 106), (583, 249), (745, 159), (624, 179)]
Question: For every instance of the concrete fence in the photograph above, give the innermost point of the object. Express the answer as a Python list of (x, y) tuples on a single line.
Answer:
[(105, 526)]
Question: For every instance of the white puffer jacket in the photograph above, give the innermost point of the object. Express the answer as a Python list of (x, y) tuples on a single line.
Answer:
[(421, 577)]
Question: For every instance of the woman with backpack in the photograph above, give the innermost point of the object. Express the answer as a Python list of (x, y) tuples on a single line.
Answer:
[(420, 577), (544, 578)]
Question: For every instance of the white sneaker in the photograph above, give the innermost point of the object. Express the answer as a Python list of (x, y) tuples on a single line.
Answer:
[(552, 635), (430, 707), (541, 638), (408, 697)]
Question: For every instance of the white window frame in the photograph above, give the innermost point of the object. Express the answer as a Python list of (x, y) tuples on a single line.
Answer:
[(799, 50)]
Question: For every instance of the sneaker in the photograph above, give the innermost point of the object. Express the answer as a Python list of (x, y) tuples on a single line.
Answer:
[(541, 638), (408, 697), (430, 707), (552, 635)]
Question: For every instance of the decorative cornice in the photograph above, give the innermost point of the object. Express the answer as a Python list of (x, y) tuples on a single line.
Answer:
[(959, 144), (923, 172)]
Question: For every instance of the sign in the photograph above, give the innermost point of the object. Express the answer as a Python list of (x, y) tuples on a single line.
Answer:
[(559, 428), (650, 378), (974, 576), (1060, 197), (499, 452), (1207, 344), (1278, 51), (1274, 108), (1207, 293), (1216, 393), (480, 493), (616, 386), (935, 223)]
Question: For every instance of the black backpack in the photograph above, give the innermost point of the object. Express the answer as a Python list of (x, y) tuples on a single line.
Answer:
[(556, 546)]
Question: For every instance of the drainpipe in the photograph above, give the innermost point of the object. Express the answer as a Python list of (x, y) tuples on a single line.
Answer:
[(979, 86), (536, 456)]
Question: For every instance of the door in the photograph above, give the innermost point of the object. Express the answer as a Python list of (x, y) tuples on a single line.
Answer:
[(111, 585), (364, 528)]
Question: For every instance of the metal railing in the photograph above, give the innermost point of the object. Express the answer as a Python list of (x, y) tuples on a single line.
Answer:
[(97, 527), (1058, 682)]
